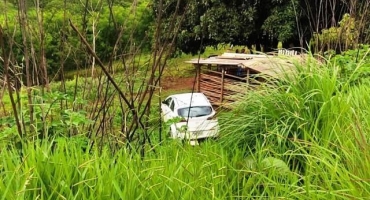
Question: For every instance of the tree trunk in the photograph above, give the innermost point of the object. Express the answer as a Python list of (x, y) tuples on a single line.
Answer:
[(23, 26)]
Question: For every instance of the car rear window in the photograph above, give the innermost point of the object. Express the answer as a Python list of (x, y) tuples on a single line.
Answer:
[(196, 111)]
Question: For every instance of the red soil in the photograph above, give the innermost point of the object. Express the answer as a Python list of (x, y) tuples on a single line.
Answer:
[(176, 83)]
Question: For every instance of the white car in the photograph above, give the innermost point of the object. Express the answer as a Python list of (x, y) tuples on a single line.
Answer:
[(192, 115)]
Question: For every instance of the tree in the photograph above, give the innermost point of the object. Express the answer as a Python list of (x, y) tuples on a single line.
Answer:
[(261, 22), (210, 22), (281, 23), (240, 22)]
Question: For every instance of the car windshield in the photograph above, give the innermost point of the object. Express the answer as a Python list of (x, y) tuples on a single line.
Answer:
[(196, 111)]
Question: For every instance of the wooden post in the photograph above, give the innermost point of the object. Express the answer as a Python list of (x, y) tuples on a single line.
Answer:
[(222, 84), (248, 76), (198, 77)]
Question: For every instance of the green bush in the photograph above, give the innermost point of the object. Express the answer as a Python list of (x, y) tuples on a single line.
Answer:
[(354, 65)]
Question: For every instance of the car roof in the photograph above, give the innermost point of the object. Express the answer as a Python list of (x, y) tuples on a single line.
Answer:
[(197, 99)]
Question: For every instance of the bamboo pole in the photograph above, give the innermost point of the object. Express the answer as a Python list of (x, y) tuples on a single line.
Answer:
[(198, 77), (222, 84)]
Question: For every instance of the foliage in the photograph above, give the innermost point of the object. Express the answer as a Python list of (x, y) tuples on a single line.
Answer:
[(313, 122), (210, 23), (334, 38), (354, 65), (50, 119), (63, 170), (265, 22), (282, 21), (285, 109), (63, 46), (302, 138)]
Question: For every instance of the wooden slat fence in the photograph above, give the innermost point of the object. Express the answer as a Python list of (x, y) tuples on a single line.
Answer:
[(210, 85)]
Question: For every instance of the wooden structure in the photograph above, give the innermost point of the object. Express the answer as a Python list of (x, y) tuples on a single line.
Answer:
[(221, 78)]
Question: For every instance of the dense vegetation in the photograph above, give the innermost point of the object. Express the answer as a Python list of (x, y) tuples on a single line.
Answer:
[(263, 23), (259, 24), (303, 138), (99, 135), (100, 21)]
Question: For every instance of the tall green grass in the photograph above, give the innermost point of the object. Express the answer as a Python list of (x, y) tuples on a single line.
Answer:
[(62, 170), (304, 137), (312, 124)]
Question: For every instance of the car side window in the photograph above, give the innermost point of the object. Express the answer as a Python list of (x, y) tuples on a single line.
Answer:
[(172, 105), (167, 101)]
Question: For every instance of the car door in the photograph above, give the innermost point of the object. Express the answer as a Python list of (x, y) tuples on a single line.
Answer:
[(165, 107)]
